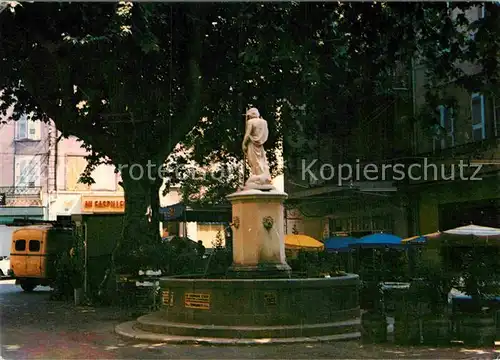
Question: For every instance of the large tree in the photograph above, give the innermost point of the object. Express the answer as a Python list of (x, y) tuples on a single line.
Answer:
[(335, 67), (131, 80)]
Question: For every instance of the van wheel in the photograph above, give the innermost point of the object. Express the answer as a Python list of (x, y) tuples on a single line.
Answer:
[(27, 286)]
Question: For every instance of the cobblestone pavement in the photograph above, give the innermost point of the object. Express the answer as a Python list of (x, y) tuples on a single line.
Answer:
[(32, 327)]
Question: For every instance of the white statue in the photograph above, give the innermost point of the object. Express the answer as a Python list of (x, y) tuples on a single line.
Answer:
[(256, 135)]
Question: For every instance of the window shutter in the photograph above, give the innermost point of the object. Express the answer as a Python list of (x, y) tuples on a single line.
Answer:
[(21, 131), (17, 172), (21, 172), (478, 117), (34, 130), (35, 171), (16, 130)]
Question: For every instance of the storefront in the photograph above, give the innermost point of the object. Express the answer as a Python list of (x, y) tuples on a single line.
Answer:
[(21, 208), (100, 221), (482, 212), (357, 213), (448, 205), (197, 223), (65, 205)]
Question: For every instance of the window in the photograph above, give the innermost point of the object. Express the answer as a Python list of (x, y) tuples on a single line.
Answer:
[(22, 128), (447, 122), (28, 170), (75, 165), (27, 129), (34, 245), (477, 113), (207, 233), (20, 245), (481, 10)]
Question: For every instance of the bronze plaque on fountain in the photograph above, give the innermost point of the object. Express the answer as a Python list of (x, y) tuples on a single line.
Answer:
[(168, 298), (270, 299), (199, 301)]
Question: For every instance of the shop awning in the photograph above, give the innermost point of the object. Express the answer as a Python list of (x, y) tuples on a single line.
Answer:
[(180, 212), (6, 220), (21, 211)]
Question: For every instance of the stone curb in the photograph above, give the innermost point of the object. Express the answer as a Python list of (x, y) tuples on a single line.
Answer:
[(129, 330)]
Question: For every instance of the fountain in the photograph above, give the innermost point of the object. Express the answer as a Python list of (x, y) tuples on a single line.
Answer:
[(259, 300)]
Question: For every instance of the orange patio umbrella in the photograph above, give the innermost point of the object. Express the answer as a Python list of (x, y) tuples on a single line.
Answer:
[(302, 242)]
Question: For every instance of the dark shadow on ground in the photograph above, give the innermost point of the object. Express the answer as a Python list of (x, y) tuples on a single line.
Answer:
[(34, 327)]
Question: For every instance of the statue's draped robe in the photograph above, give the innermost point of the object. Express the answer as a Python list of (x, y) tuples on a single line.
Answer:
[(256, 155)]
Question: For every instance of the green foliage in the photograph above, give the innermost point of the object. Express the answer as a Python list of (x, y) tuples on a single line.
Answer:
[(70, 270), (435, 278), (180, 256), (317, 264), (334, 68), (371, 273), (220, 258), (477, 266), (132, 79)]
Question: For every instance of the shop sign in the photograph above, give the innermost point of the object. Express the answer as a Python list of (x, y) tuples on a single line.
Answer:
[(103, 204)]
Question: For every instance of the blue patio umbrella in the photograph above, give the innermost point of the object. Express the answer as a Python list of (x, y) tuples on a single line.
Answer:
[(339, 243), (378, 240)]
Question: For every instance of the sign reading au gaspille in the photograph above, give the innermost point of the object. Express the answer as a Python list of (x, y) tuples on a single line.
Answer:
[(103, 204), (197, 301)]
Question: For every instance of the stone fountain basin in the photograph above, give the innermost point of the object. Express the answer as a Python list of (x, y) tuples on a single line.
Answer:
[(256, 308)]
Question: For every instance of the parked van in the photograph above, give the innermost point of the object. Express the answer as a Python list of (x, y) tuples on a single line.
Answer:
[(33, 253)]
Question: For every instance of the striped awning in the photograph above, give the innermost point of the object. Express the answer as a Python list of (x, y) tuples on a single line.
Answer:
[(180, 212)]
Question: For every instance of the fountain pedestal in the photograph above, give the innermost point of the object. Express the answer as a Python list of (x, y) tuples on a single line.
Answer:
[(258, 224)]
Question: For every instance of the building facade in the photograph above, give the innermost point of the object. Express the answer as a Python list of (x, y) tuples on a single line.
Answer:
[(322, 203), (40, 173), (435, 195), (468, 138), (23, 151)]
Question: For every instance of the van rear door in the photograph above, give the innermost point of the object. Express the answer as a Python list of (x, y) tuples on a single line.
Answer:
[(18, 256), (34, 257)]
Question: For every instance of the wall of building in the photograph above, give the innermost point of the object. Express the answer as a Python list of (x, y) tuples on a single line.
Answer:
[(71, 163), (7, 154), (23, 160), (433, 196), (463, 113), (14, 151)]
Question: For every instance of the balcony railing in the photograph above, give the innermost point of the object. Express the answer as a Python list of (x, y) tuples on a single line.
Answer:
[(475, 148), (21, 191)]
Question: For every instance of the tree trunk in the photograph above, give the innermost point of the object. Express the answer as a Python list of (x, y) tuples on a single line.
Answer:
[(138, 247)]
